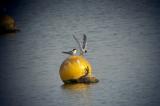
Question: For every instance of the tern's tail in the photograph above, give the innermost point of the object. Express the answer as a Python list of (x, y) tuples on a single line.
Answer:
[(67, 53)]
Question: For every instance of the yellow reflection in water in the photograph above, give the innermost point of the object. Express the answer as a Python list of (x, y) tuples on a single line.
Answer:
[(76, 87), (78, 92)]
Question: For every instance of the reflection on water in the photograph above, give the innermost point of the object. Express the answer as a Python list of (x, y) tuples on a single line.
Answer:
[(75, 87), (11, 34), (80, 92)]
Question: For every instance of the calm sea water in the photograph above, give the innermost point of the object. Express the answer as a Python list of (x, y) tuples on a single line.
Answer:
[(123, 48)]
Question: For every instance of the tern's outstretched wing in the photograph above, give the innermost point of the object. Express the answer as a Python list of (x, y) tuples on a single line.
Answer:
[(79, 44), (84, 41)]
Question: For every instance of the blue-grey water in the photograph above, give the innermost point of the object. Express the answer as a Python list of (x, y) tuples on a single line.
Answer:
[(123, 48)]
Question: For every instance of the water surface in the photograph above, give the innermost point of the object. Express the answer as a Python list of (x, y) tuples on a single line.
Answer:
[(123, 48)]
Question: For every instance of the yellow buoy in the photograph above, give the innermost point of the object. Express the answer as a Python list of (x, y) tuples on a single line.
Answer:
[(74, 67), (7, 24)]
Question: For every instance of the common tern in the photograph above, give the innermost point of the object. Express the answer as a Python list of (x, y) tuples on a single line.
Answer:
[(72, 52)]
